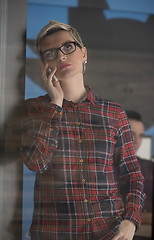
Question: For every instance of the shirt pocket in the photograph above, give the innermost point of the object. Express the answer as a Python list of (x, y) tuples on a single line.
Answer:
[(104, 145)]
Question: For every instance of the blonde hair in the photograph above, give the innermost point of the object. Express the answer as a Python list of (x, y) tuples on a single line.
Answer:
[(54, 26)]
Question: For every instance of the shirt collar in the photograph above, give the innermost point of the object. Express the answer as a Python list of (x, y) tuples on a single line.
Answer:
[(89, 97)]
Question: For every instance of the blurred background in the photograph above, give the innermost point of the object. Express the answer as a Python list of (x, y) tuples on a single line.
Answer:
[(119, 36)]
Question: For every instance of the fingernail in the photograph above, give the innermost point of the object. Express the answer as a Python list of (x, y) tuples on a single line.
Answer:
[(49, 70)]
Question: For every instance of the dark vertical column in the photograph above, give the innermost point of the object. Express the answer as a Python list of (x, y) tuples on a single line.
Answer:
[(12, 74)]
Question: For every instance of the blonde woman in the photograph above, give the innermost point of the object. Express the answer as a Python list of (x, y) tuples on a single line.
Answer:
[(88, 182)]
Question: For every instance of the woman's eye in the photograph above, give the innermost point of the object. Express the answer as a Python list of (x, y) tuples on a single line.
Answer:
[(50, 54), (68, 46)]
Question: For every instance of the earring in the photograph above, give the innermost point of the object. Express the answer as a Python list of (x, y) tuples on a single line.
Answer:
[(84, 66)]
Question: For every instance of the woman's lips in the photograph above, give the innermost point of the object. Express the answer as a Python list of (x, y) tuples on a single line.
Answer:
[(65, 65)]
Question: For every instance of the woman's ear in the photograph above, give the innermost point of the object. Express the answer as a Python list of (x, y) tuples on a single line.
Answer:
[(84, 51)]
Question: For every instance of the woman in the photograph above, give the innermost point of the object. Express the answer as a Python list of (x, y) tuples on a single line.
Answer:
[(88, 182)]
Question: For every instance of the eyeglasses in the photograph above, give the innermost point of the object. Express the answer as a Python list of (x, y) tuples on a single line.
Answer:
[(52, 53)]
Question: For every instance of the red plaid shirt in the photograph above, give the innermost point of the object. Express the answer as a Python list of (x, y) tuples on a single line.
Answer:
[(87, 176)]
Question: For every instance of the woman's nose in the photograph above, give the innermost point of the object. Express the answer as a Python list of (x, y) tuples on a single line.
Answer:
[(61, 56)]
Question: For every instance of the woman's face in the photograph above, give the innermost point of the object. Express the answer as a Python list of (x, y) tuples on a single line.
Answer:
[(69, 65)]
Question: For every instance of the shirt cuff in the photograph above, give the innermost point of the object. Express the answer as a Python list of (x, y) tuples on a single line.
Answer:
[(133, 216)]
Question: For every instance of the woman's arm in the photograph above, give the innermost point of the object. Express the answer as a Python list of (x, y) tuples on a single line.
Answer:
[(129, 173), (40, 129)]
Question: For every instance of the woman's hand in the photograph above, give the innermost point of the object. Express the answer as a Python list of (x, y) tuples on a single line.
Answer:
[(52, 85), (126, 231)]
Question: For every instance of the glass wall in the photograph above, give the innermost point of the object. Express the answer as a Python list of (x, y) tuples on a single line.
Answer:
[(119, 38)]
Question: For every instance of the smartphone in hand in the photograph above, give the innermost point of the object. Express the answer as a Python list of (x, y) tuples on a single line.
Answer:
[(54, 78)]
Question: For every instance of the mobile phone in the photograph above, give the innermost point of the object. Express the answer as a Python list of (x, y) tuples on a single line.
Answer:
[(54, 78)]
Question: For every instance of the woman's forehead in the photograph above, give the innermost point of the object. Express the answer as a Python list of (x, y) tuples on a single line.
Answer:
[(56, 39)]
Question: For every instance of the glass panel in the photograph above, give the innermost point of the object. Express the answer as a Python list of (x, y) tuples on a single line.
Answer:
[(119, 39)]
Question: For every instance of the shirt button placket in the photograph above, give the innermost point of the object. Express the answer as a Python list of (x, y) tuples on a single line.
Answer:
[(80, 141)]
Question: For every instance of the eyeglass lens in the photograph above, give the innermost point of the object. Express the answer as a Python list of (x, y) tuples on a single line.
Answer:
[(66, 48)]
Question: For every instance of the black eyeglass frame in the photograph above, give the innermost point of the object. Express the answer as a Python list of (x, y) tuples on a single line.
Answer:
[(59, 49)]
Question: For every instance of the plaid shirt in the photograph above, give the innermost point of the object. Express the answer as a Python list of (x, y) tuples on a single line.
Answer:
[(87, 176)]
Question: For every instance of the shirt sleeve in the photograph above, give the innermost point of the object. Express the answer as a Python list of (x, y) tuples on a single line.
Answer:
[(129, 173), (40, 130)]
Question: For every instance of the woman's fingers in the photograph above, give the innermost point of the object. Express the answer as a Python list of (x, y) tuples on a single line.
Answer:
[(51, 73), (52, 85), (48, 73)]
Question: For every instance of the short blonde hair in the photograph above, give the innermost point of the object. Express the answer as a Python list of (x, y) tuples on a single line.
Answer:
[(54, 26)]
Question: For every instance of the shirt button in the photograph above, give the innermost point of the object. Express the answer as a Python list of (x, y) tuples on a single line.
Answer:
[(78, 123), (80, 140), (55, 112), (83, 180), (75, 106), (51, 129), (86, 200), (89, 219), (81, 160)]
